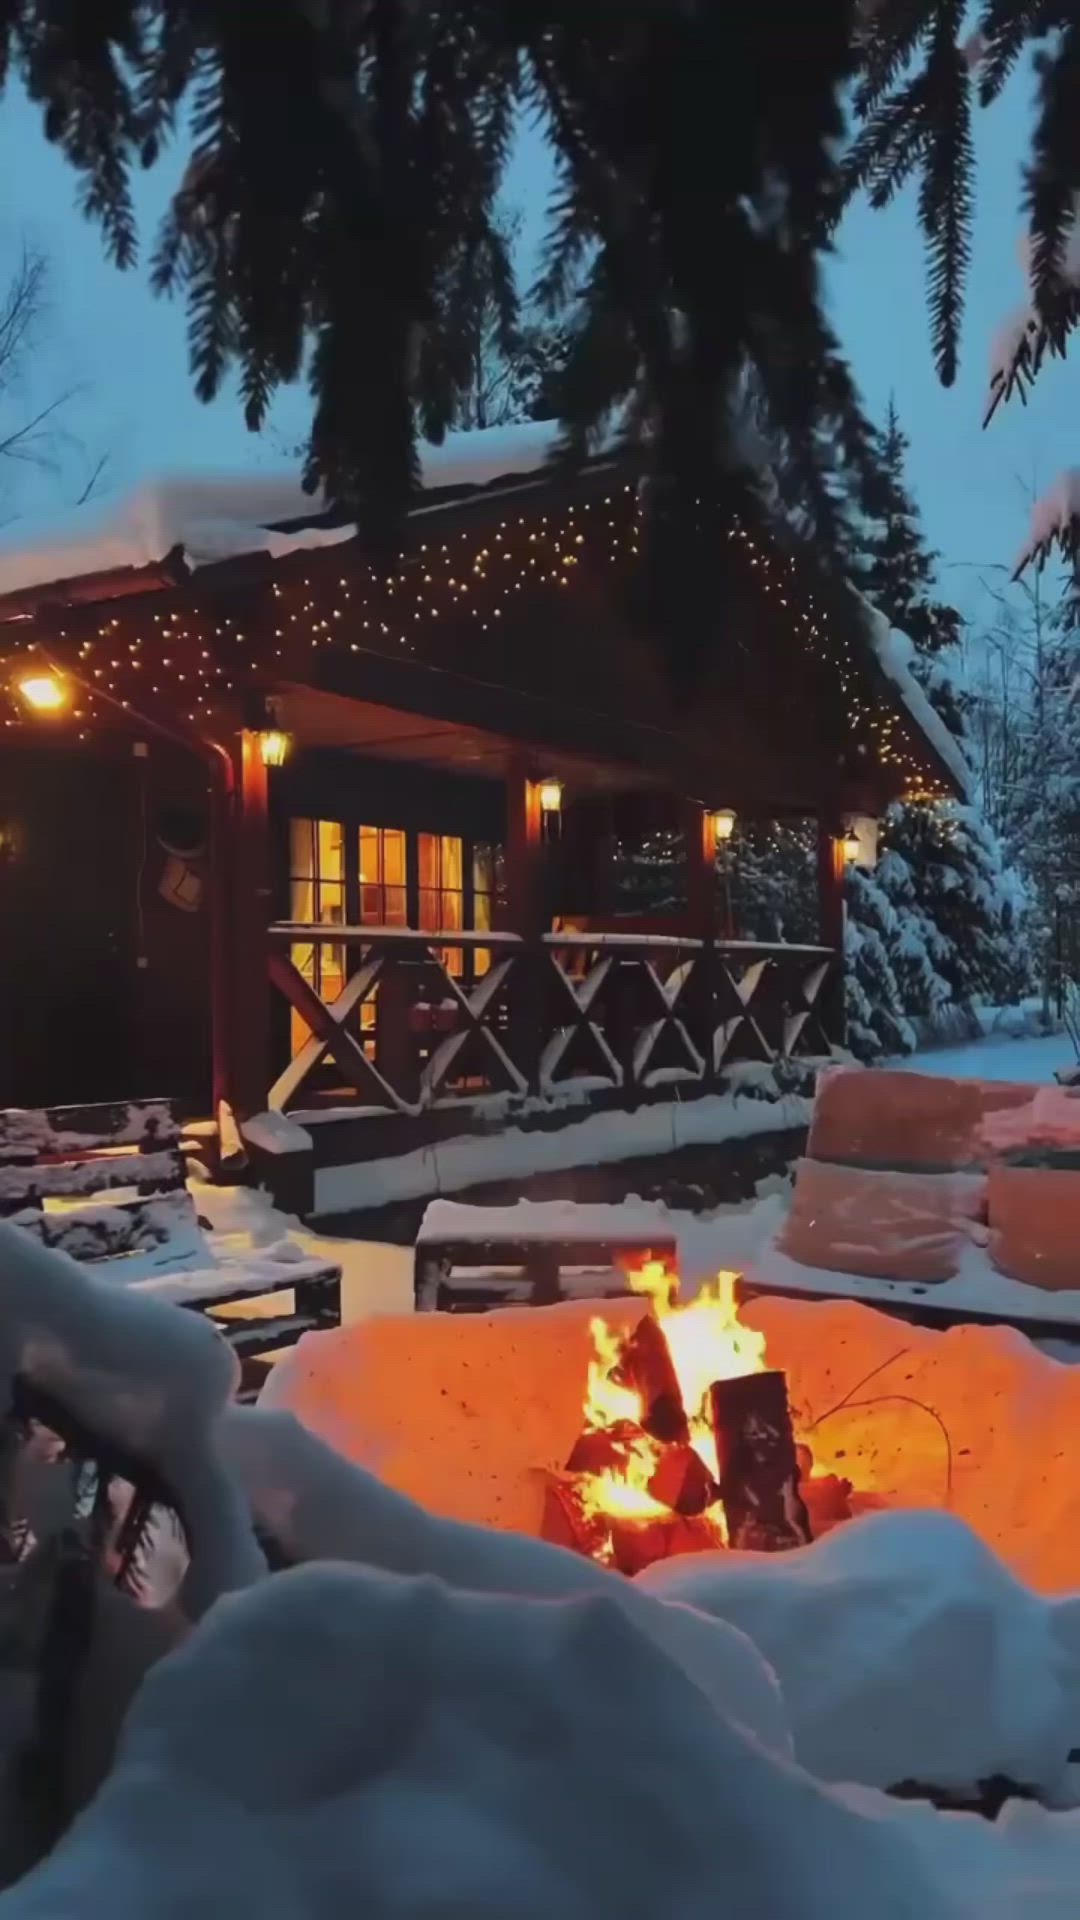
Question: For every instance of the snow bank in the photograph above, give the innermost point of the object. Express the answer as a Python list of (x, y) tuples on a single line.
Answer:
[(137, 1372), (426, 1752), (339, 1738), (214, 517), (319, 1506), (896, 1608)]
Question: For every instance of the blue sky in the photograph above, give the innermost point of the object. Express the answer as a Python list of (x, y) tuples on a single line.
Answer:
[(126, 351)]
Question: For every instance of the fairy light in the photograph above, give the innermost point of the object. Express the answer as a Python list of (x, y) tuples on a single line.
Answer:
[(199, 655)]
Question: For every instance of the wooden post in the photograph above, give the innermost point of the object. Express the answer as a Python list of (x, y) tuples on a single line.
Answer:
[(699, 834), (526, 909), (830, 870), (251, 900), (526, 902)]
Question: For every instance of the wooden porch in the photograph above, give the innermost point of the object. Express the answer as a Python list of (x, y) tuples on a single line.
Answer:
[(563, 1017)]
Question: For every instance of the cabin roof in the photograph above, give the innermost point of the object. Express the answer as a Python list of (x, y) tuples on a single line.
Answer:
[(171, 526)]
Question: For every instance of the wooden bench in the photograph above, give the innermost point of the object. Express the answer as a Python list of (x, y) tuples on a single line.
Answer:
[(469, 1259), (53, 1159)]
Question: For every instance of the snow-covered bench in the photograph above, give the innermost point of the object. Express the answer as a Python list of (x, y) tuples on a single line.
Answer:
[(536, 1253), (108, 1185)]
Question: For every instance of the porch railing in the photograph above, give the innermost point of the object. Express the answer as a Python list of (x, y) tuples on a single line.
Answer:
[(426, 1019)]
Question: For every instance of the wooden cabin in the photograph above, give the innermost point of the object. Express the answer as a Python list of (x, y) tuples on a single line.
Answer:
[(288, 827)]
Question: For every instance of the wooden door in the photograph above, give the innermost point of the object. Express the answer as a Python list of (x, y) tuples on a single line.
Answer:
[(69, 916)]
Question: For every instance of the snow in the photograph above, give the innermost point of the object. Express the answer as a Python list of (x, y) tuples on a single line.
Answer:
[(1052, 517), (896, 653), (441, 1719), (996, 1057), (629, 1223), (220, 516), (903, 1606), (137, 1372), (517, 1152)]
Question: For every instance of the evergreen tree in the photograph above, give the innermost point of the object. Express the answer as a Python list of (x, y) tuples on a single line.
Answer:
[(877, 1023), (896, 568), (957, 926), (345, 173)]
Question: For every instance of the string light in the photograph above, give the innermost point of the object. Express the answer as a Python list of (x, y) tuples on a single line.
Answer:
[(199, 655)]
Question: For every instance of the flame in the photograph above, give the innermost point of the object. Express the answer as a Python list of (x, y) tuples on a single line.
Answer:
[(706, 1342)]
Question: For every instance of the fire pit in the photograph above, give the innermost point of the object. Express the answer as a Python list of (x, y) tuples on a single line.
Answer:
[(687, 1442)]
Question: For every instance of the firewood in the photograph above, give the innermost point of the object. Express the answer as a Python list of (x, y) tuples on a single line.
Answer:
[(683, 1482), (759, 1474), (646, 1366), (605, 1449), (637, 1543), (565, 1523)]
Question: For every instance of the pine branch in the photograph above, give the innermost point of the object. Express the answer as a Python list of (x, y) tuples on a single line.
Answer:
[(946, 195), (1052, 180), (888, 43), (1005, 29)]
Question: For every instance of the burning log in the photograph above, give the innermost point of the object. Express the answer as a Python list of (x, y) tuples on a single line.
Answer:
[(646, 1366), (637, 1543), (759, 1473), (683, 1482)]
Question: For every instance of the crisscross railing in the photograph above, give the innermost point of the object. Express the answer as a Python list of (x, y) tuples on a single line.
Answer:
[(612, 1013)]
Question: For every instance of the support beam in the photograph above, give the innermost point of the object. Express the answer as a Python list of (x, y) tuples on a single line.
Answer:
[(699, 835), (249, 1011), (527, 906), (830, 876)]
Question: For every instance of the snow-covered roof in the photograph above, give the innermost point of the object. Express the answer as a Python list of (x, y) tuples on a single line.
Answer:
[(895, 652), (214, 517)]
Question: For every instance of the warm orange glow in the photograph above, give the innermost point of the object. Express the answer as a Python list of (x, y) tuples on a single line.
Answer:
[(852, 847), (723, 822), (551, 796), (707, 1342), (274, 747), (44, 692)]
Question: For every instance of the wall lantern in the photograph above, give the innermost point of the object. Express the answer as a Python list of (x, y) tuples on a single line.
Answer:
[(723, 820), (859, 840), (43, 692), (549, 793), (274, 746)]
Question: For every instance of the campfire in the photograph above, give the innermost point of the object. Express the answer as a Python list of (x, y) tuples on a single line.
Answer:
[(687, 1442)]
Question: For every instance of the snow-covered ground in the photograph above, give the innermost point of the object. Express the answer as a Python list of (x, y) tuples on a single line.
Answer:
[(996, 1057)]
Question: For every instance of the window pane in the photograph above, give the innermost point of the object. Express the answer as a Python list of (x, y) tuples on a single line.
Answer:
[(429, 910), (331, 850), (451, 875), (371, 906), (301, 849), (302, 901), (395, 907), (483, 868), (427, 845), (393, 856), (370, 872)]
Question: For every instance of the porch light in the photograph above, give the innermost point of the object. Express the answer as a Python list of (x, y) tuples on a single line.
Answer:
[(852, 846), (551, 796), (44, 692), (723, 822), (274, 746)]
